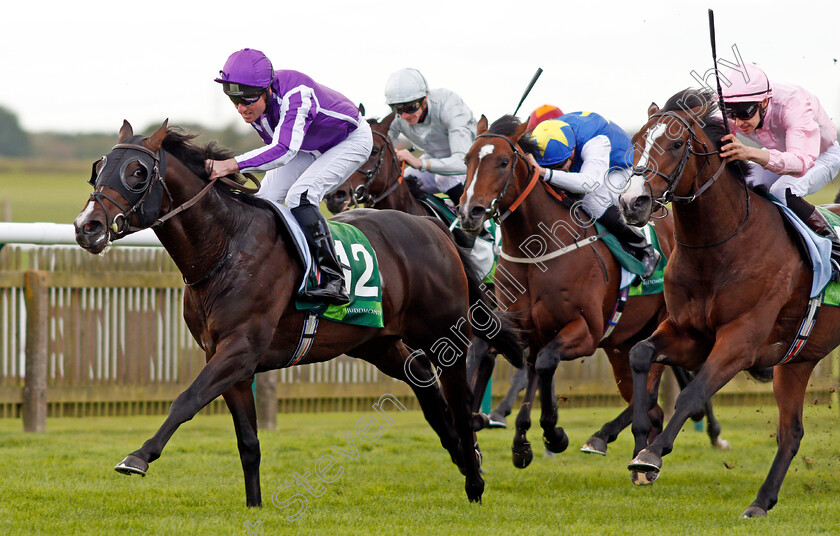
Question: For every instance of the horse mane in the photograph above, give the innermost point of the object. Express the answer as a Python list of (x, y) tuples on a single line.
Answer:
[(179, 144), (702, 106), (507, 125), (414, 188)]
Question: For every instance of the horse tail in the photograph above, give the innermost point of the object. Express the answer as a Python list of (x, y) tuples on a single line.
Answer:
[(497, 328)]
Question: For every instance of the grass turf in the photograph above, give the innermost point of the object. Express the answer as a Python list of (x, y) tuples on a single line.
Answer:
[(62, 481)]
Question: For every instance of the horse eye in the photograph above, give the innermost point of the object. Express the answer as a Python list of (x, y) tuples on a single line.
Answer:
[(677, 144), (374, 151), (504, 162)]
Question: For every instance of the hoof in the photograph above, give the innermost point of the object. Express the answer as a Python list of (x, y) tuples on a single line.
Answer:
[(642, 478), (754, 511), (474, 490), (721, 444), (132, 465), (646, 461), (480, 421), (496, 420), (595, 445), (558, 443), (523, 454)]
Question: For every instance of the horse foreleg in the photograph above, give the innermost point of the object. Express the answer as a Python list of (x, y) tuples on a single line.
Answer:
[(732, 352), (573, 341), (221, 372), (522, 451), (240, 402), (712, 424), (789, 385)]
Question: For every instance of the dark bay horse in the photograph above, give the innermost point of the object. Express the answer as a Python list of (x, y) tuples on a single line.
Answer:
[(241, 286), (379, 182), (736, 284), (562, 304)]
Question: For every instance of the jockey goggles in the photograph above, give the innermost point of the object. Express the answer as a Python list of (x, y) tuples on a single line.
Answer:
[(409, 108), (242, 94), (742, 110)]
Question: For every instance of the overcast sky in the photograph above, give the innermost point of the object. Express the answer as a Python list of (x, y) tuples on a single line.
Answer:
[(86, 65)]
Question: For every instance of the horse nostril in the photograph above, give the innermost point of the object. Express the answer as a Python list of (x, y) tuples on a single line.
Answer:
[(92, 227), (641, 203), (477, 212)]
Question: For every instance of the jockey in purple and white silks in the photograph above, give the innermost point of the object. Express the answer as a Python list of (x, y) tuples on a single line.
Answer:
[(436, 121), (315, 139), (799, 153)]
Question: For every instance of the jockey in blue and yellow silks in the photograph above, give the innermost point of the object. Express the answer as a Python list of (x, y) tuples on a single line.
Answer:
[(584, 153)]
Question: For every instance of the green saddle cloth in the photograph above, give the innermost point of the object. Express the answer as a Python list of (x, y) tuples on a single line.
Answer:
[(831, 295), (362, 281), (643, 287)]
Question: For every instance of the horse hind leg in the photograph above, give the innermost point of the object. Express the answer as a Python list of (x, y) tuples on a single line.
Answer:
[(480, 365), (453, 380), (417, 371), (789, 385), (240, 402)]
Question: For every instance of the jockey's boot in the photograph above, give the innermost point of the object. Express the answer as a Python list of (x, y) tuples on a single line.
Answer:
[(632, 238), (817, 222), (331, 287)]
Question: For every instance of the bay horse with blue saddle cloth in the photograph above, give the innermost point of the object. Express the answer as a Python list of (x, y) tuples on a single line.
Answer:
[(242, 283)]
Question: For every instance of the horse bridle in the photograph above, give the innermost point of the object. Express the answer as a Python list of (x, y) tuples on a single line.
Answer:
[(674, 178), (492, 211), (361, 194), (120, 225)]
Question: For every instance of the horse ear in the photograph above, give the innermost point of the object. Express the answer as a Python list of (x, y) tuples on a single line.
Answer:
[(481, 128), (125, 131), (385, 124), (653, 109), (156, 140), (520, 130)]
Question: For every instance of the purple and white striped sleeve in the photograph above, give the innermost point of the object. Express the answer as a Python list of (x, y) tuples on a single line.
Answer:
[(298, 109)]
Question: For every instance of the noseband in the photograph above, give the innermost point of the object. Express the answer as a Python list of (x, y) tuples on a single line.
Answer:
[(361, 194), (493, 210)]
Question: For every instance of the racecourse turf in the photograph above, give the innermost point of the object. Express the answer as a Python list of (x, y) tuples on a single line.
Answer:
[(62, 482)]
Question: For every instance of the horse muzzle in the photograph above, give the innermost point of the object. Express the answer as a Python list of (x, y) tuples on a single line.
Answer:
[(472, 218), (91, 234), (635, 209)]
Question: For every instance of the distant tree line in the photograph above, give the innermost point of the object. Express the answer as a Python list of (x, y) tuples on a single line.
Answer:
[(15, 142)]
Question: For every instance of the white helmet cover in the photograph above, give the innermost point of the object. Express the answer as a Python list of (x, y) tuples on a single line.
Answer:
[(405, 85)]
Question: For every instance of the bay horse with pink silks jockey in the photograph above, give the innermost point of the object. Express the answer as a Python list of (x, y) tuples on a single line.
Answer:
[(729, 309)]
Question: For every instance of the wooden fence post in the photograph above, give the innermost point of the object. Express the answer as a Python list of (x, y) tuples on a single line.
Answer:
[(267, 400), (35, 383), (6, 210)]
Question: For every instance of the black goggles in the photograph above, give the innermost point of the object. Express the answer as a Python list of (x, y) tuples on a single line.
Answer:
[(743, 111), (409, 108), (247, 101), (242, 94)]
